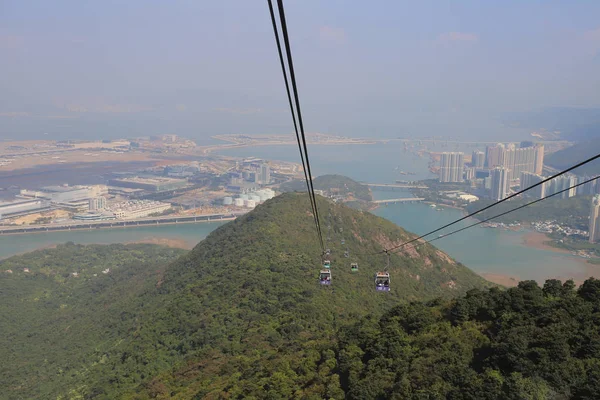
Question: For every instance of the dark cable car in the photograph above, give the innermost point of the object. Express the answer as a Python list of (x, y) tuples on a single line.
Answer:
[(354, 267), (325, 277), (382, 281)]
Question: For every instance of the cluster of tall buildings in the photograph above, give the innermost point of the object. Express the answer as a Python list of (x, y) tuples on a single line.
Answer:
[(563, 184), (249, 176), (501, 166), (527, 158)]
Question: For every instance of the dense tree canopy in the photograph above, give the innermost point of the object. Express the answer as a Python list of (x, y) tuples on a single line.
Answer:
[(527, 342), (334, 184)]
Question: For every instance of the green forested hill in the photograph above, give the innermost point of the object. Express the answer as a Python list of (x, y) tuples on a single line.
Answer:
[(58, 320), (242, 315), (252, 318), (335, 184), (575, 154), (523, 343)]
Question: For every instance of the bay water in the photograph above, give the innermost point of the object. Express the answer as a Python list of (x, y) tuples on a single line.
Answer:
[(484, 250)]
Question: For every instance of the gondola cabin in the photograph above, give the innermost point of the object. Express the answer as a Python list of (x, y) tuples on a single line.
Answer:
[(382, 281), (327, 264), (325, 277), (354, 267)]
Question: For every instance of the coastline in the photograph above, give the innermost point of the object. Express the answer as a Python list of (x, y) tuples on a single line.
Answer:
[(500, 279), (163, 241), (538, 240)]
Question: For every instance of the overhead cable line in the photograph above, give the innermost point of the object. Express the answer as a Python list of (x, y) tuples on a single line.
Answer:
[(492, 205), (287, 88), (300, 139), (288, 50), (499, 215)]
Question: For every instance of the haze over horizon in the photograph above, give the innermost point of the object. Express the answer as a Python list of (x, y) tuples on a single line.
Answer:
[(112, 69)]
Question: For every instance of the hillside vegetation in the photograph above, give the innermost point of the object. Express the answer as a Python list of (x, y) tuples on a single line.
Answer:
[(570, 156), (61, 317), (573, 211), (332, 184), (240, 316), (523, 343)]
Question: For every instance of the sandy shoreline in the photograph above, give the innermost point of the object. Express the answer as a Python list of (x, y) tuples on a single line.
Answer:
[(538, 240), (176, 243), (500, 279)]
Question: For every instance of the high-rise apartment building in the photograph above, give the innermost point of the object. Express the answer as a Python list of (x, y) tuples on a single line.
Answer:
[(499, 182), (262, 175), (539, 159), (529, 179), (451, 167), (587, 188), (563, 182), (494, 156), (595, 220), (478, 159), (265, 172), (469, 174), (519, 160)]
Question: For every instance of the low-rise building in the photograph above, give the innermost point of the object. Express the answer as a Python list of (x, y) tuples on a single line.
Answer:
[(23, 207), (155, 184), (138, 208), (94, 216)]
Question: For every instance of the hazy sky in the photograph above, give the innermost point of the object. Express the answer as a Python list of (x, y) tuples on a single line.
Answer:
[(197, 68)]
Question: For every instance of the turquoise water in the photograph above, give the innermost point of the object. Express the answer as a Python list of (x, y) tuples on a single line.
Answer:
[(481, 249), (377, 163), (190, 233)]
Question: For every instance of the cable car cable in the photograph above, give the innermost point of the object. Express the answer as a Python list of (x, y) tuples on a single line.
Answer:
[(504, 213), (493, 204), (303, 155), (288, 50), (287, 88)]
